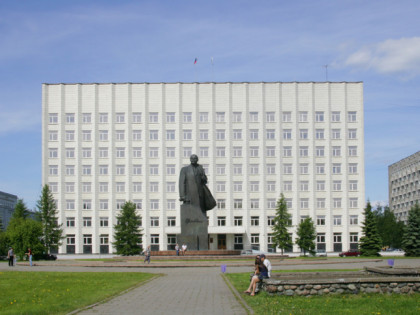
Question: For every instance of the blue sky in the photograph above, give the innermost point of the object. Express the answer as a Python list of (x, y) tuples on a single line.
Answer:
[(377, 42)]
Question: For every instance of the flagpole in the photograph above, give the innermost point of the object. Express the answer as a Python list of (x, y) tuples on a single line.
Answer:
[(195, 72), (212, 69)]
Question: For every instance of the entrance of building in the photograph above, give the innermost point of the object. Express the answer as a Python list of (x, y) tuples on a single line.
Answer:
[(221, 241)]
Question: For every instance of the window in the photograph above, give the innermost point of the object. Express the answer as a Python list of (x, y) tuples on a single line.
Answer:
[(354, 237), (120, 187), (69, 153), (255, 239), (255, 186), (354, 220), (287, 186), (303, 116), (220, 169), (337, 220), (154, 221), (304, 169), (170, 204), (353, 185), (287, 116), (87, 170), (253, 151), (187, 117), (221, 221), (69, 135), (153, 135), (137, 187), (53, 187), (103, 152), (320, 238), (320, 168), (352, 151), (270, 151), (137, 169), (352, 116), (220, 117), (336, 133), (304, 203), (320, 185), (352, 168), (136, 118), (255, 203), (254, 169), (287, 151), (170, 117), (69, 169), (120, 118), (271, 203), (86, 153), (139, 204), (271, 134), (237, 169), (237, 203), (87, 221), (237, 134), (270, 220), (103, 135), (204, 117), (271, 169), (103, 187), (187, 151), (303, 134), (255, 221), (53, 118), (253, 117), (337, 185), (170, 152), (153, 117), (336, 151), (287, 134), (271, 186), (86, 135), (120, 169), (103, 118), (220, 186), (137, 152), (120, 152), (237, 186), (336, 203), (221, 204), (319, 134), (319, 116), (53, 135), (353, 202), (103, 221), (69, 187), (136, 135), (237, 221), (320, 203), (352, 133), (253, 134), (320, 220), (70, 205), (154, 204), (70, 119), (220, 152), (170, 187), (154, 239), (154, 186), (86, 187), (335, 116), (237, 151), (270, 117), (320, 151), (171, 221), (220, 134), (303, 151), (103, 204), (70, 222), (287, 168), (204, 134), (336, 168), (237, 117), (304, 186), (204, 151), (153, 152)]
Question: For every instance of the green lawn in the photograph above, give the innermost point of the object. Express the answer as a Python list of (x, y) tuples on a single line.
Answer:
[(377, 304), (60, 292)]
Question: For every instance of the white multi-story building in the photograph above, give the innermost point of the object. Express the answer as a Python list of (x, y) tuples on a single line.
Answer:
[(104, 144), (404, 185)]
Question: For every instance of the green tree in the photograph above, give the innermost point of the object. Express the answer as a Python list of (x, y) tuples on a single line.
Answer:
[(4, 243), (52, 232), (411, 238), (370, 243), (127, 231), (282, 221), (23, 234), (306, 236), (21, 211), (390, 230)]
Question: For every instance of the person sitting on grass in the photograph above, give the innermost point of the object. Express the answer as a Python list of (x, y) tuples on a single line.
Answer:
[(261, 272)]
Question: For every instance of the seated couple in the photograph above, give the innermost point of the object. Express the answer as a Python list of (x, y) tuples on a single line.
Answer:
[(262, 271)]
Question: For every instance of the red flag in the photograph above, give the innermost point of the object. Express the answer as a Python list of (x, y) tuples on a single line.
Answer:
[(195, 60)]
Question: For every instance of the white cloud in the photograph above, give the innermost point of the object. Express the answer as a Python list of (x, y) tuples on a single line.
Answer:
[(393, 56), (16, 121)]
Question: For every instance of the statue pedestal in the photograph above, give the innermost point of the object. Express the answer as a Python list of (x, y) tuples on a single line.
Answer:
[(194, 230)]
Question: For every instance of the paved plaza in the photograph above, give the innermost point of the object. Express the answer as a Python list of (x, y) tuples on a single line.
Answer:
[(189, 289)]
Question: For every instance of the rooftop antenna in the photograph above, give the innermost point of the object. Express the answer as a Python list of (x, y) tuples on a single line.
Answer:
[(326, 72)]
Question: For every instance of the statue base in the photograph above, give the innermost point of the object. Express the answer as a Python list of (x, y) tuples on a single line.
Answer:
[(194, 229)]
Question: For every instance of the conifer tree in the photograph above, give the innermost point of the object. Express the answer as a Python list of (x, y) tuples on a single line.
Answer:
[(370, 242), (306, 236), (21, 211), (52, 232), (282, 221), (411, 238), (127, 231)]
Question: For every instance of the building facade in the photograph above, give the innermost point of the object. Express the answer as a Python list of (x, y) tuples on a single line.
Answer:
[(404, 185), (7, 206), (104, 144)]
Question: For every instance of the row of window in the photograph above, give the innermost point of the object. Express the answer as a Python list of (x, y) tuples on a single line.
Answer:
[(288, 169), (204, 117), (187, 134), (221, 203)]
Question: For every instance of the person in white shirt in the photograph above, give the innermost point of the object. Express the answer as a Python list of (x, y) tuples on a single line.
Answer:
[(184, 249), (267, 263)]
